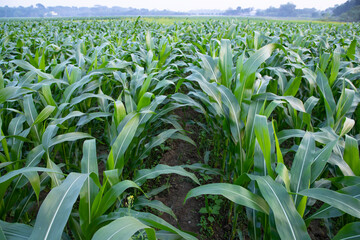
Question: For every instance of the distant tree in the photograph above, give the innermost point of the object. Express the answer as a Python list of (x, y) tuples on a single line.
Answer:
[(353, 15), (287, 10), (40, 6), (345, 7), (238, 11), (348, 11)]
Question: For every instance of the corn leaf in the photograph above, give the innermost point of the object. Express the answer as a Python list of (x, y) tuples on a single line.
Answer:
[(55, 210)]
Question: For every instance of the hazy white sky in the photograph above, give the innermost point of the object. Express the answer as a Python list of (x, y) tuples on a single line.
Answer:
[(178, 5)]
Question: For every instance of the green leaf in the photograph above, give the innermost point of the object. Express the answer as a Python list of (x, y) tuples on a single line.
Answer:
[(283, 172), (156, 204), (23, 171), (29, 67), (158, 140), (120, 229), (211, 89), (254, 62), (145, 100), (15, 231), (2, 234), (328, 211), (148, 218), (144, 174), (56, 208), (349, 231), (289, 223), (335, 66), (352, 50), (235, 193), (110, 197), (293, 86), (280, 159), (325, 89), (263, 137), (321, 159), (209, 66), (68, 137), (11, 92), (341, 201), (348, 125), (185, 99), (34, 180), (295, 103), (121, 143), (89, 190), (301, 166), (351, 154), (90, 95), (1, 80), (145, 86), (225, 62), (119, 112), (234, 112), (44, 114)]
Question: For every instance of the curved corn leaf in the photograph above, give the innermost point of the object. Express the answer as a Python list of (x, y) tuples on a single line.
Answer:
[(68, 137), (263, 137), (89, 190), (344, 202), (234, 112), (289, 223), (148, 218), (225, 62), (103, 203), (122, 229), (254, 62), (351, 154), (234, 193), (350, 231), (15, 231), (328, 211), (145, 100), (155, 204), (329, 101), (301, 166), (144, 174), (320, 160), (121, 143), (85, 96), (14, 173), (56, 208), (44, 114)]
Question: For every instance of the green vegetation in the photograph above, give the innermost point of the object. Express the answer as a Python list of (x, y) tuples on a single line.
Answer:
[(85, 104)]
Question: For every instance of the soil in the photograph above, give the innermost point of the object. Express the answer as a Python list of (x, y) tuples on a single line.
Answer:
[(317, 230), (185, 153), (181, 153)]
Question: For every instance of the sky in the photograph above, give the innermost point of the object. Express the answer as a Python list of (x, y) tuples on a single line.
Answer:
[(177, 5)]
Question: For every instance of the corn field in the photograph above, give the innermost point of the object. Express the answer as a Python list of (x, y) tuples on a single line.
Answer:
[(87, 105)]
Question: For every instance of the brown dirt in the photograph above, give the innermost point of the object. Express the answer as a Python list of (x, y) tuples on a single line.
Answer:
[(184, 153), (317, 230)]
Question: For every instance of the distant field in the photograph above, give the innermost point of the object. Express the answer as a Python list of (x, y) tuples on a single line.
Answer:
[(179, 128)]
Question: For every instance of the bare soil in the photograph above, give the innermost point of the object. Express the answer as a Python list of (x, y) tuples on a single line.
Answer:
[(185, 153)]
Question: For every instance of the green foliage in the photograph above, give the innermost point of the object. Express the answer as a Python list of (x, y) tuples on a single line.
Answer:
[(86, 104)]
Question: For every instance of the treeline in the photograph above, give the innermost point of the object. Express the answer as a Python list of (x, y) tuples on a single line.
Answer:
[(348, 11), (60, 11), (290, 10), (286, 10)]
